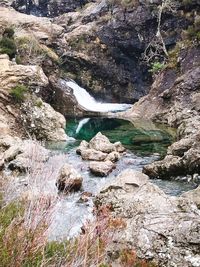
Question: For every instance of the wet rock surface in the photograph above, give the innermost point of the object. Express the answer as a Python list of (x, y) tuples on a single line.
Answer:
[(158, 226)]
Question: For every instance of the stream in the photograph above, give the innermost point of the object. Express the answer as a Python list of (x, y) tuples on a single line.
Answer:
[(145, 143)]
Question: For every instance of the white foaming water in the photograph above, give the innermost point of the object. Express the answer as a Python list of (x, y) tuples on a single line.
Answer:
[(81, 123), (90, 104)]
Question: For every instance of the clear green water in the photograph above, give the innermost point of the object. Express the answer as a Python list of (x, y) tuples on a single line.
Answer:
[(141, 141)]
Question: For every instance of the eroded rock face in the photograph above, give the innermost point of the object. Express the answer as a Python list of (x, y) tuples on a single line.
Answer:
[(157, 226), (69, 180)]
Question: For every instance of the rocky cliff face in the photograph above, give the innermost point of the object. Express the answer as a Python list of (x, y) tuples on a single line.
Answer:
[(106, 42), (174, 100), (47, 8), (103, 43)]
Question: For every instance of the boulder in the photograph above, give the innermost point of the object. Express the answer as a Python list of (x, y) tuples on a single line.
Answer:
[(83, 146), (31, 155), (101, 143), (91, 154), (69, 180), (101, 168), (157, 226), (193, 196), (113, 156), (119, 147), (12, 152), (170, 166), (43, 121)]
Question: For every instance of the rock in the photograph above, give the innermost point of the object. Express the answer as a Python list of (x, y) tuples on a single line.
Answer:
[(6, 141), (101, 143), (31, 156), (150, 221), (119, 147), (180, 147), (91, 154), (64, 100), (193, 196), (170, 166), (100, 28), (41, 28), (85, 197), (113, 156), (83, 146), (68, 179), (43, 121), (12, 74), (11, 153), (102, 153), (1, 164), (4, 129), (101, 168), (49, 8)]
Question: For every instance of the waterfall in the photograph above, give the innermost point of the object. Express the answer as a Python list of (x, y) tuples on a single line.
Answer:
[(89, 103), (81, 123)]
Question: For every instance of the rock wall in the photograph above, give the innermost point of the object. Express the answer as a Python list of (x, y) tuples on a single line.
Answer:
[(174, 100), (47, 8)]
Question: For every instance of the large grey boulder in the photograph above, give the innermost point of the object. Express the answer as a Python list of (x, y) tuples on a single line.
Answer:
[(157, 226)]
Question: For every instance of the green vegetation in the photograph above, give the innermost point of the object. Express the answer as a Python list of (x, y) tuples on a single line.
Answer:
[(193, 31), (30, 50), (38, 103), (9, 32), (156, 67), (18, 93), (7, 46), (7, 43)]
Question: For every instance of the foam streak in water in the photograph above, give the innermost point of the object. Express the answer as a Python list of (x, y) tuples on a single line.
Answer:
[(89, 103)]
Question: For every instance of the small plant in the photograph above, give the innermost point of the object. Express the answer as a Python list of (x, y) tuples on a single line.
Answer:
[(39, 103), (18, 60), (9, 33), (7, 46), (18, 93), (156, 67)]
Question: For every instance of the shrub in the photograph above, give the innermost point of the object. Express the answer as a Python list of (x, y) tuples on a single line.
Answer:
[(9, 32), (156, 67), (7, 46), (18, 93)]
